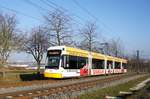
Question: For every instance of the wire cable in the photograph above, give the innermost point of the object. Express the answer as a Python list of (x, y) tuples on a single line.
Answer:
[(66, 10), (35, 5), (93, 16), (15, 11)]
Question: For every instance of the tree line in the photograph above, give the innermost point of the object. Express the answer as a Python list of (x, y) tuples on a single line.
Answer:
[(57, 29), (138, 64)]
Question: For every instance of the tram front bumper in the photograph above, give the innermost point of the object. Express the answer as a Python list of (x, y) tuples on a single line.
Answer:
[(52, 75)]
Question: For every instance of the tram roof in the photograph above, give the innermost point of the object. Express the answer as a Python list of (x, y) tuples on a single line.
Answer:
[(84, 53)]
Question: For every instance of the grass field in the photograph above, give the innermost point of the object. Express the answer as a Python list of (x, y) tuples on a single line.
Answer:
[(142, 94), (112, 91)]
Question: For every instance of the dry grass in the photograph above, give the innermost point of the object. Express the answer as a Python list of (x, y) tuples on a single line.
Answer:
[(112, 91)]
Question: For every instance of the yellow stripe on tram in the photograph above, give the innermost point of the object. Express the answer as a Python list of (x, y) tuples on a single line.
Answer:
[(53, 75)]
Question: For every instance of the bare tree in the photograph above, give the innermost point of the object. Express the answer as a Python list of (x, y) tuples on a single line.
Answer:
[(104, 47), (116, 48), (36, 44), (88, 33), (59, 28), (7, 36)]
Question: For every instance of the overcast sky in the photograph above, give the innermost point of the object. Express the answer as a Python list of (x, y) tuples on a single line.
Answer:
[(128, 20)]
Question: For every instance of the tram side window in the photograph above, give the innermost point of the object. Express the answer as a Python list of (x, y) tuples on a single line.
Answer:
[(72, 62), (81, 62), (97, 64), (117, 65), (124, 65)]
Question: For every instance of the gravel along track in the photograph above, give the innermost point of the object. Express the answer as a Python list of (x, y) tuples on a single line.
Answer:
[(64, 86)]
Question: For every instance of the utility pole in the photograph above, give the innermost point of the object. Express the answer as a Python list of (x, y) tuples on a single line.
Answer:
[(137, 57), (116, 53), (105, 48)]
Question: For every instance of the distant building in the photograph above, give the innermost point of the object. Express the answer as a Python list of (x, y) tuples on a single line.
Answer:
[(26, 65), (18, 64)]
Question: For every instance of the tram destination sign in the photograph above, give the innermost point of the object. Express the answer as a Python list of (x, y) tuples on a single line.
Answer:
[(54, 52)]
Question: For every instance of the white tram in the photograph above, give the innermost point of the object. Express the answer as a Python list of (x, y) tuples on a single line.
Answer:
[(63, 62)]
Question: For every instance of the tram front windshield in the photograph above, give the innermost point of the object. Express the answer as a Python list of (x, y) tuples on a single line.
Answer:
[(53, 59)]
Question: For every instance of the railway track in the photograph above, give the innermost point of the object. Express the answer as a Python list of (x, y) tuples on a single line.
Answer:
[(59, 88)]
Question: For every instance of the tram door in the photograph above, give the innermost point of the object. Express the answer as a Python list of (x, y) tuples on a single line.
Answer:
[(109, 69)]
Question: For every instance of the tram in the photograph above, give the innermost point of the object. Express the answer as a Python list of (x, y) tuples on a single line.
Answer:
[(64, 62)]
